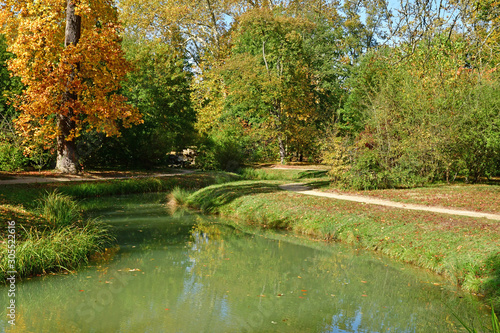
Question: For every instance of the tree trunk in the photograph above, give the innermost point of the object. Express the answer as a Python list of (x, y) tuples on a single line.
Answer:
[(67, 158), (282, 150)]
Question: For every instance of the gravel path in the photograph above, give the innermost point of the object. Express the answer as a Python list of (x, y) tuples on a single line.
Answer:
[(302, 189)]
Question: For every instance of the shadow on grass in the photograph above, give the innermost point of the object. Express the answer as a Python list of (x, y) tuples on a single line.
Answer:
[(318, 184), (492, 285), (212, 197), (313, 174)]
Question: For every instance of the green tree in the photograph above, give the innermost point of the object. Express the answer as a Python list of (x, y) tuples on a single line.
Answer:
[(268, 77)]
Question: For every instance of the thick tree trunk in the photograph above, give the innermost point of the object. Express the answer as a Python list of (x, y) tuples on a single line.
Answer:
[(67, 158)]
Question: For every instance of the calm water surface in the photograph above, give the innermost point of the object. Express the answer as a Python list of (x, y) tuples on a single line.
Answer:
[(188, 273)]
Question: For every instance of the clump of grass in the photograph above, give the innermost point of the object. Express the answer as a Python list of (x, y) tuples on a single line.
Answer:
[(59, 210), (50, 250), (178, 197)]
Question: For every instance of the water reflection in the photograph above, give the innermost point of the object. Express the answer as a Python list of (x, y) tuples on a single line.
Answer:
[(186, 273)]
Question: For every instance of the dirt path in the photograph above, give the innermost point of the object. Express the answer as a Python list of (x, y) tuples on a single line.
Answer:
[(302, 189), (87, 178)]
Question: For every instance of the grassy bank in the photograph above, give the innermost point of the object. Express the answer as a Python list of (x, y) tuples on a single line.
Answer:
[(465, 250), (51, 232)]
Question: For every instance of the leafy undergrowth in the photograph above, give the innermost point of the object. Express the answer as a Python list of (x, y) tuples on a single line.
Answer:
[(466, 250), (481, 198)]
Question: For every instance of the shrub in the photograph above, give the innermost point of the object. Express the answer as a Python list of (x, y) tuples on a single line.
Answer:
[(11, 155), (224, 154)]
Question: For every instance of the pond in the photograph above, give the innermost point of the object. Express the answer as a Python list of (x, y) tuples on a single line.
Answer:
[(183, 272)]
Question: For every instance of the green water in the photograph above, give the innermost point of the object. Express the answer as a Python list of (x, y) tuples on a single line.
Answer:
[(187, 273)]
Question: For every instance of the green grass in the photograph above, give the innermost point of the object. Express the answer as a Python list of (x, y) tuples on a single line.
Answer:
[(179, 196), (50, 250), (212, 198), (495, 324), (280, 174), (466, 250), (59, 209)]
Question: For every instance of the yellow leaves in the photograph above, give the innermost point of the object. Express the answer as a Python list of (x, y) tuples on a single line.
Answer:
[(91, 70)]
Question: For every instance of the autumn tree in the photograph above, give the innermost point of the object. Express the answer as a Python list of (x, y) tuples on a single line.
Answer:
[(69, 58)]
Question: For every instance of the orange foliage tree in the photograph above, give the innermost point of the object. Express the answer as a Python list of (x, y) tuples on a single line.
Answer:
[(68, 55)]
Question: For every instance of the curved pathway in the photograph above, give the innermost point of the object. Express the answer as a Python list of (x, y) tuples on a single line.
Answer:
[(303, 189)]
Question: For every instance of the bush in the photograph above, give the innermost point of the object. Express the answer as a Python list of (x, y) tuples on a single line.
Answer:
[(224, 154), (424, 122), (11, 155)]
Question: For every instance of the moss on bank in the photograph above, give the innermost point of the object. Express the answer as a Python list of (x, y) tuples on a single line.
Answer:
[(465, 250), (51, 234)]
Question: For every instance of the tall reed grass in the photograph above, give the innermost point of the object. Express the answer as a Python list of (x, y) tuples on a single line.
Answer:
[(59, 210), (62, 248)]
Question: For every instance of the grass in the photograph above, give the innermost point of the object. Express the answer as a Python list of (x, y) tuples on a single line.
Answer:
[(59, 210), (178, 196), (465, 250), (61, 242), (279, 174), (495, 324), (212, 198), (477, 197)]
